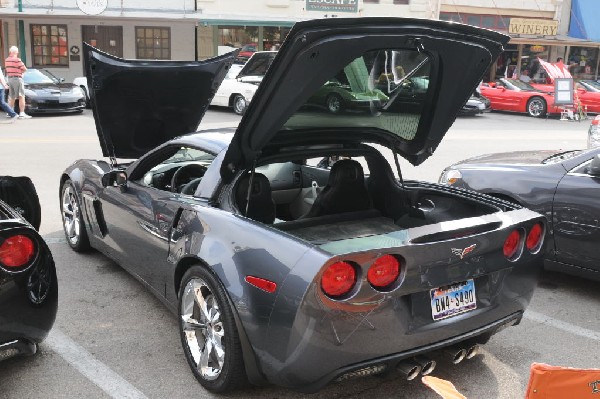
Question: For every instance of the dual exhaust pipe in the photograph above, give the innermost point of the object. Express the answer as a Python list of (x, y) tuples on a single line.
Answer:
[(421, 365)]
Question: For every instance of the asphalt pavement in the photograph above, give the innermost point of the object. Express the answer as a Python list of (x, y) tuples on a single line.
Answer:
[(112, 338)]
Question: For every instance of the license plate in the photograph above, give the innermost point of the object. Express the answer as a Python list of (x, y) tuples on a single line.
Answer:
[(454, 299)]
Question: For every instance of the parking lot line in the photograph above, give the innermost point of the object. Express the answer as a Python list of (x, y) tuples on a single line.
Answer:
[(561, 325), (93, 369)]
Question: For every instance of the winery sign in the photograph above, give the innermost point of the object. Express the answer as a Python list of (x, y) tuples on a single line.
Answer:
[(332, 5)]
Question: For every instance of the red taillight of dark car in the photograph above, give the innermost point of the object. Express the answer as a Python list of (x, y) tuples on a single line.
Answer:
[(338, 279), (384, 271), (534, 238), (16, 251), (512, 244)]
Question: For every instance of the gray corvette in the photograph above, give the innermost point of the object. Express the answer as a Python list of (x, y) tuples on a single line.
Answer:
[(284, 271)]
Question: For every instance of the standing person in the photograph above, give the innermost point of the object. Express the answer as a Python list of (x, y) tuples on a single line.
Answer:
[(14, 70), (5, 107)]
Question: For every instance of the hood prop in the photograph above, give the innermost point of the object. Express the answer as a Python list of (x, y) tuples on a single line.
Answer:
[(250, 183), (398, 168)]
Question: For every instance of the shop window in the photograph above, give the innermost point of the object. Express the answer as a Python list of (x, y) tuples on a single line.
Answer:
[(370, 1), (152, 43), (494, 22), (273, 36), (401, 1), (49, 45), (582, 62), (245, 37)]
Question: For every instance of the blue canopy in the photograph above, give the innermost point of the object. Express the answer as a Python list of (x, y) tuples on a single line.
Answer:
[(584, 20)]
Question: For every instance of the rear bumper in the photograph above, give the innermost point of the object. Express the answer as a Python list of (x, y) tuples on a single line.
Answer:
[(17, 348), (390, 362)]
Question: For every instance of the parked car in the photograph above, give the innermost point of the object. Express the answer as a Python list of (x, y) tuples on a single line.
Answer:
[(247, 50), (241, 82), (586, 93), (292, 274), (564, 186), (517, 96), (28, 286), (82, 83), (45, 93), (476, 104)]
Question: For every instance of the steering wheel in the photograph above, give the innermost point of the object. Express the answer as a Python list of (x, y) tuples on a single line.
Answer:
[(185, 174)]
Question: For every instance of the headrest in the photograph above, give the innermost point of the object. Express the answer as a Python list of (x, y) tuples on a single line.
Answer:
[(262, 207), (346, 171)]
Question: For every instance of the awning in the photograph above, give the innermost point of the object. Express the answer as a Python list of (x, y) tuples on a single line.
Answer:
[(584, 19)]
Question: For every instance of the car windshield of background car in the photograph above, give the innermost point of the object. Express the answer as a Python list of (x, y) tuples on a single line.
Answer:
[(259, 63), (519, 84), (591, 85), (383, 89), (33, 76)]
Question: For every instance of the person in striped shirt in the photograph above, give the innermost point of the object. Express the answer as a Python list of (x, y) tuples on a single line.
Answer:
[(16, 87)]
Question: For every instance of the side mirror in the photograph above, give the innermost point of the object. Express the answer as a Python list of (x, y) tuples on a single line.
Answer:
[(594, 169), (114, 178)]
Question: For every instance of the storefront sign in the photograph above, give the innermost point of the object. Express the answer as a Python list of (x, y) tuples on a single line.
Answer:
[(536, 48), (332, 5), (530, 26), (92, 7)]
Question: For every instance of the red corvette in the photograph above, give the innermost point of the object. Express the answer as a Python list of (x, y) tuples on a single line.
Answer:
[(587, 91), (517, 96)]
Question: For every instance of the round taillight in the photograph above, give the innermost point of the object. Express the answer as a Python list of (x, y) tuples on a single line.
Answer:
[(511, 245), (534, 238), (338, 279), (384, 271), (16, 251)]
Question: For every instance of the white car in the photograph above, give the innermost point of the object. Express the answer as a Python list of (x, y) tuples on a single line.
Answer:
[(241, 82)]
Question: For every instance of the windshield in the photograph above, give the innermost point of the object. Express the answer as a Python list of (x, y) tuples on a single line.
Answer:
[(258, 64), (383, 89), (35, 76), (519, 84), (591, 85)]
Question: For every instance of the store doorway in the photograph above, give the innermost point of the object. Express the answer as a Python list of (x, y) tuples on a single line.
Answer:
[(106, 38)]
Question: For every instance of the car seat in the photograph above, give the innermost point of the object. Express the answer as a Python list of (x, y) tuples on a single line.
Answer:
[(262, 207), (345, 191)]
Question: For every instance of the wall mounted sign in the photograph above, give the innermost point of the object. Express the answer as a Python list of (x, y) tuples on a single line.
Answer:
[(532, 26), (332, 5), (92, 7)]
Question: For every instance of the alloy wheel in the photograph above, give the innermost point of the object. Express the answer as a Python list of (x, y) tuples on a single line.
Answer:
[(203, 328), (71, 215)]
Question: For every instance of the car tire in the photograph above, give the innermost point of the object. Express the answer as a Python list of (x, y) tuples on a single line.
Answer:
[(72, 218), (87, 97), (209, 335), (333, 102), (239, 104), (536, 107)]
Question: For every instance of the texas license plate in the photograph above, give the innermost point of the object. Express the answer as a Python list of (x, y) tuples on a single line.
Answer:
[(454, 299)]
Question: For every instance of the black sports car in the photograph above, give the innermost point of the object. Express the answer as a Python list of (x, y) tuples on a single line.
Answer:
[(28, 286), (289, 273), (45, 93), (564, 186)]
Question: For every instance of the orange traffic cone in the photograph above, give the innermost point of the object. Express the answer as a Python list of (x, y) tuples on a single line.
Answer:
[(552, 382)]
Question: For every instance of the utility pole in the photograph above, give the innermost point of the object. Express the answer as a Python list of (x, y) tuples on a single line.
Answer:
[(22, 50)]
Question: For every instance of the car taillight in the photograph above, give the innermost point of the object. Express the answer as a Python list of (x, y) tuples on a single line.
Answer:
[(534, 238), (384, 271), (338, 279), (16, 251), (511, 245)]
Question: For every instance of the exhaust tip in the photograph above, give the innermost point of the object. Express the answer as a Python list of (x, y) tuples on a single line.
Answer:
[(410, 369), (457, 355), (427, 365), (473, 351)]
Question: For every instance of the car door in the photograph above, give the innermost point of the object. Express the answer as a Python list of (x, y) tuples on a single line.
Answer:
[(497, 96), (576, 214), (140, 215)]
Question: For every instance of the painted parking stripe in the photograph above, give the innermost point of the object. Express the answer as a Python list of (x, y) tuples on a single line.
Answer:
[(94, 370), (561, 325)]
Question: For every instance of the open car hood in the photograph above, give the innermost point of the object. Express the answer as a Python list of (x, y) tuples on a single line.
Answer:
[(140, 104), (410, 110)]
